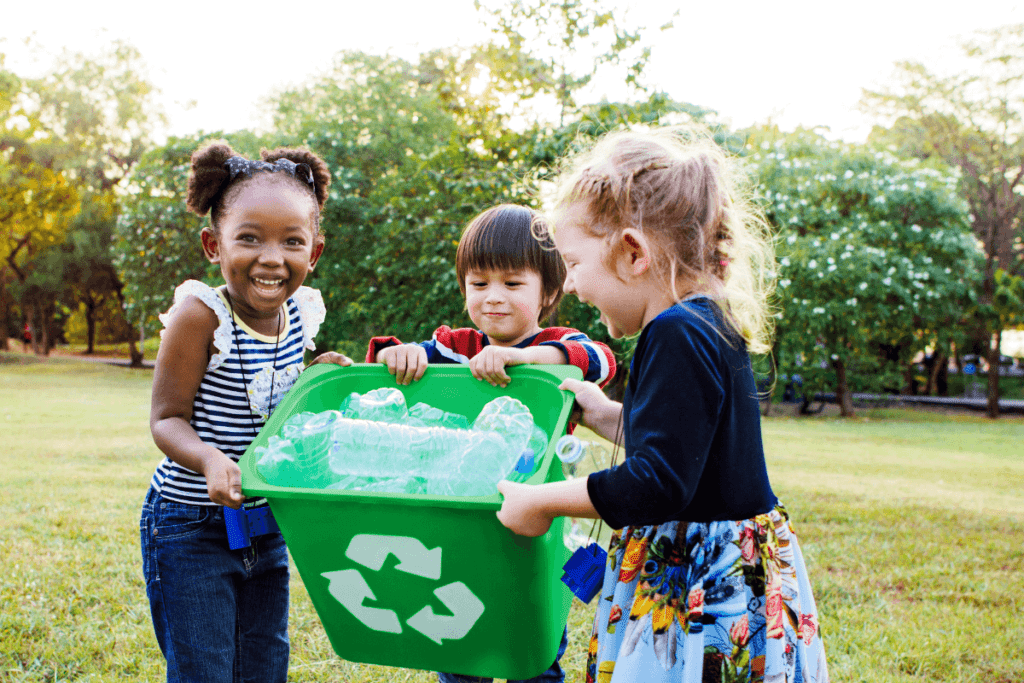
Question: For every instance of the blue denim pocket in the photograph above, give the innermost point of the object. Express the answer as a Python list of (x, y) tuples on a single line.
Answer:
[(173, 520)]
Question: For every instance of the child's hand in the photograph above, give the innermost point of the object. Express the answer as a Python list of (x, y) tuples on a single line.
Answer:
[(489, 365), (521, 510), (224, 482), (331, 357), (593, 409), (407, 362)]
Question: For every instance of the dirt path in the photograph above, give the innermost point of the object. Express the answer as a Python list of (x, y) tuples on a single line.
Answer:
[(15, 346)]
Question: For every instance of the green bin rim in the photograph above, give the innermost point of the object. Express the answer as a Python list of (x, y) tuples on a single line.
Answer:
[(255, 486)]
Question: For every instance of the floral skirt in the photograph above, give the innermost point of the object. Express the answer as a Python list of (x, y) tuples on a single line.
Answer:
[(712, 601)]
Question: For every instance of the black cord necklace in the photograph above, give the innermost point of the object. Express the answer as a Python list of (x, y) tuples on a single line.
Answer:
[(241, 366)]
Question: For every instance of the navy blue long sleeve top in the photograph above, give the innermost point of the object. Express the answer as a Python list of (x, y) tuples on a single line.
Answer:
[(692, 427)]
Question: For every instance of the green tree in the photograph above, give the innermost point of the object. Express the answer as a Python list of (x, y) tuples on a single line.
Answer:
[(876, 259), (971, 120), (155, 239), (36, 205), (568, 43), (412, 162), (94, 116)]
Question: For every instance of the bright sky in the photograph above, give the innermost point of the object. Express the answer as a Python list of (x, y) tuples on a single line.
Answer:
[(801, 62)]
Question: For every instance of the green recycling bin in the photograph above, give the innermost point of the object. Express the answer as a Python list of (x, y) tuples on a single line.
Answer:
[(418, 581)]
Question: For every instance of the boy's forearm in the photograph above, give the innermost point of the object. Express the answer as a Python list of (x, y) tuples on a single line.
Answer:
[(544, 355)]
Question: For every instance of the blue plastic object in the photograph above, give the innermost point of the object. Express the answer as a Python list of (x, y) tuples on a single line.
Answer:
[(526, 462), (251, 520), (584, 572)]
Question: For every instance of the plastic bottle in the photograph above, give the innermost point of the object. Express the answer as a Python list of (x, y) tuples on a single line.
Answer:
[(578, 458), (380, 405), (423, 450)]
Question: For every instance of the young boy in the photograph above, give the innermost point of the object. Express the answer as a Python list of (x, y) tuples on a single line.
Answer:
[(511, 283)]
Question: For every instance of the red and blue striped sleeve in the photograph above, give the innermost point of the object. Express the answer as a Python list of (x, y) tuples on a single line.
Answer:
[(378, 344), (595, 359)]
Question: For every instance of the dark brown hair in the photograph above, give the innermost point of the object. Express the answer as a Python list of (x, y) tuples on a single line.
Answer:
[(211, 188), (502, 238)]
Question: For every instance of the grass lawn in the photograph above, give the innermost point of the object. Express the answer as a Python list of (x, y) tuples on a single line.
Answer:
[(912, 525)]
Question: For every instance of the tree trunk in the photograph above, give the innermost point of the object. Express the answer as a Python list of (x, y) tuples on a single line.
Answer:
[(90, 324), (942, 378), (908, 380), (939, 361), (5, 311), (136, 352), (33, 328), (44, 330), (843, 396), (993, 374)]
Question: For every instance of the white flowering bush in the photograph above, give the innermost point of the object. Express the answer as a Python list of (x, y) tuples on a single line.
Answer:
[(876, 259)]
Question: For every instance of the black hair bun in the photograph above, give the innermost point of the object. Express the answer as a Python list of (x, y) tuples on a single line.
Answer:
[(321, 174), (209, 176)]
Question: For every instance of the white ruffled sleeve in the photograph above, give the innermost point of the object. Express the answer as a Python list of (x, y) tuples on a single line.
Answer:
[(208, 295), (311, 311)]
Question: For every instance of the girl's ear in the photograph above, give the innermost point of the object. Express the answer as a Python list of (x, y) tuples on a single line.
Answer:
[(636, 251), (318, 250), (210, 245)]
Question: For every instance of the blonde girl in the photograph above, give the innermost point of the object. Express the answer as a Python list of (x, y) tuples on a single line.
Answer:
[(705, 581)]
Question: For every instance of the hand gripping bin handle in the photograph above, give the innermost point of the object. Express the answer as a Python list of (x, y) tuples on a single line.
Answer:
[(420, 581)]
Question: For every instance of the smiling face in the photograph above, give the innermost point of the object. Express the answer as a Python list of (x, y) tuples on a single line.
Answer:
[(598, 277), (265, 246), (505, 305)]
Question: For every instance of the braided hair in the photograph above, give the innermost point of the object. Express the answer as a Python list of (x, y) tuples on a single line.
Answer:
[(678, 188)]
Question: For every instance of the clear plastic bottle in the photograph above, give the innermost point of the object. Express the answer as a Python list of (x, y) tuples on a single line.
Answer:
[(423, 450), (386, 404), (451, 461), (579, 458)]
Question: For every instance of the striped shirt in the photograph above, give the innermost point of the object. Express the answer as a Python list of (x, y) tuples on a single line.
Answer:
[(595, 359), (234, 398)]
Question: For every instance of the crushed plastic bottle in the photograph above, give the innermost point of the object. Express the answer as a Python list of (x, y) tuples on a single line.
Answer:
[(375, 444), (299, 456), (578, 458), (423, 415), (379, 405)]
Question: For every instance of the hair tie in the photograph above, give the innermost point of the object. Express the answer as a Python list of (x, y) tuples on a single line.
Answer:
[(236, 165)]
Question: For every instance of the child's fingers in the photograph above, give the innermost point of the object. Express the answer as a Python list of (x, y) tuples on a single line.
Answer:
[(421, 365), (402, 368), (573, 385), (390, 360), (332, 357), (474, 366)]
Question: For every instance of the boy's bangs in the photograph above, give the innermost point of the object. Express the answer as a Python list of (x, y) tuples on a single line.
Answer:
[(497, 247)]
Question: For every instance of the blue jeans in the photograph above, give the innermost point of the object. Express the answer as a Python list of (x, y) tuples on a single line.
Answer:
[(554, 674), (220, 615)]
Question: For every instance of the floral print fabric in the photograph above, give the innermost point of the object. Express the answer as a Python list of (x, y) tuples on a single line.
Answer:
[(701, 602)]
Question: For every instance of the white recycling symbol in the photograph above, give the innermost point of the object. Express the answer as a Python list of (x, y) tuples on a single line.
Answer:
[(370, 550)]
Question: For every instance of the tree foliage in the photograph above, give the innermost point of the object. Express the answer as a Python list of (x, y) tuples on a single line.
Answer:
[(973, 121), (568, 43), (876, 259)]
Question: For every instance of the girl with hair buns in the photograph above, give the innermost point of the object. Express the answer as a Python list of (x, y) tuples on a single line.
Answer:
[(705, 581), (227, 357)]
